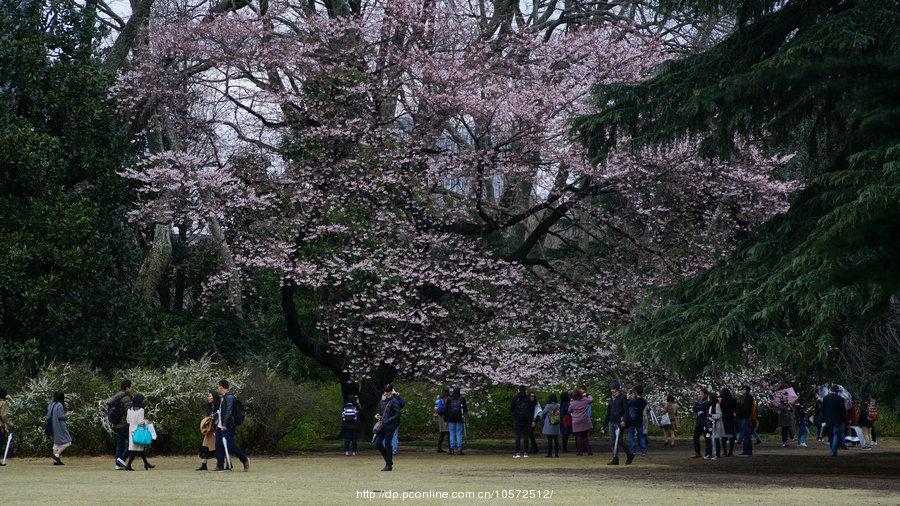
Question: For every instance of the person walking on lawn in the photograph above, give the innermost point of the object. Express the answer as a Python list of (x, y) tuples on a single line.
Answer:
[(225, 430), (135, 418), (616, 420), (208, 429), (637, 405), (455, 414), (116, 409), (387, 421), (58, 419), (6, 425)]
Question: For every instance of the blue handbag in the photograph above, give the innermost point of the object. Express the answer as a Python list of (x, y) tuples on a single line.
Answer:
[(141, 436)]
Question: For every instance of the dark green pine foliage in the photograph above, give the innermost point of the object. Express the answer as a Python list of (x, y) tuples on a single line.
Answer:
[(65, 250), (818, 78)]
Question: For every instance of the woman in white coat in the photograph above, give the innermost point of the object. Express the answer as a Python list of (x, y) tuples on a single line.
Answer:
[(717, 429), (135, 418)]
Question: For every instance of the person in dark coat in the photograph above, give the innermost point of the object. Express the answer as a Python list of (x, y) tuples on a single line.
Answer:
[(226, 433), (701, 408), (522, 409), (834, 414), (122, 398), (745, 417), (455, 414), (350, 425), (819, 419), (565, 426), (802, 423), (388, 418), (616, 420), (728, 405)]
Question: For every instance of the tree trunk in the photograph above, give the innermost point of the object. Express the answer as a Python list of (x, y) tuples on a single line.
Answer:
[(369, 390), (227, 260), (155, 263)]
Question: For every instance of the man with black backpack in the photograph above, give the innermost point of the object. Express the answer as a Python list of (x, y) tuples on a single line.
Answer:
[(231, 414), (350, 425), (454, 413), (116, 407), (522, 409)]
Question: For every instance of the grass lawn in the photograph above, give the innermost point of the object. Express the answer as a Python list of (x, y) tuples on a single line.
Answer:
[(775, 476)]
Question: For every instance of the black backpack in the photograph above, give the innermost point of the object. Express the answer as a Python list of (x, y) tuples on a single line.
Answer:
[(48, 425), (454, 409), (239, 412), (114, 412), (350, 414), (524, 411)]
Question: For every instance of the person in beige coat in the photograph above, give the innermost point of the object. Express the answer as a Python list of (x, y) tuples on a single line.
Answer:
[(135, 418), (208, 429)]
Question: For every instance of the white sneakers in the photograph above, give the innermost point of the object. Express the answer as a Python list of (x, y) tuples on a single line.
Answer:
[(517, 456)]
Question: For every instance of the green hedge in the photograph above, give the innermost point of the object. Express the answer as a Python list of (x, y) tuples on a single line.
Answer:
[(282, 416)]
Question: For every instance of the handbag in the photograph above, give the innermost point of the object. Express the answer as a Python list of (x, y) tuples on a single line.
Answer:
[(665, 420), (142, 436), (377, 428)]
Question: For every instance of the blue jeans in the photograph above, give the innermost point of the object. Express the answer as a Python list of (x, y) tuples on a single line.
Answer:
[(121, 434), (837, 437), (382, 442), (395, 442), (234, 451), (746, 436), (803, 433), (456, 433), (641, 439)]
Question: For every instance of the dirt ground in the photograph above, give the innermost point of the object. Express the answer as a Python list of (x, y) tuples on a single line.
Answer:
[(486, 475)]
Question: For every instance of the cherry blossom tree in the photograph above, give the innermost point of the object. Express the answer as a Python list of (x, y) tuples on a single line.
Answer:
[(407, 165)]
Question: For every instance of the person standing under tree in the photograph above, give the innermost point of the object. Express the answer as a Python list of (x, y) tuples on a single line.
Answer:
[(455, 414), (616, 415), (785, 420), (387, 421), (701, 408), (535, 417), (550, 420), (116, 409), (834, 413), (728, 405), (802, 423), (672, 427), (819, 419), (521, 408), (350, 425), (745, 416), (565, 424), (440, 405)]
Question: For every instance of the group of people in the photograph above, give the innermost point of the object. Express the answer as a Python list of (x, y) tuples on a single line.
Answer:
[(721, 421), (134, 433)]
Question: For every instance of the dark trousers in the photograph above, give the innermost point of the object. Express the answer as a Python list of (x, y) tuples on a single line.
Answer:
[(583, 442), (837, 437), (350, 438), (565, 442), (747, 436), (234, 451), (441, 440), (553, 445), (132, 454), (532, 440), (521, 431), (121, 434), (384, 445), (699, 432)]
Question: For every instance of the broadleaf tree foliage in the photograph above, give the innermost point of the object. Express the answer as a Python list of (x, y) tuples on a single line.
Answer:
[(407, 166)]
